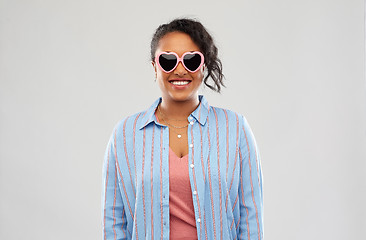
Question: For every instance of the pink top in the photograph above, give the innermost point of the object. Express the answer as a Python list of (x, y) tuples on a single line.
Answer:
[(182, 219)]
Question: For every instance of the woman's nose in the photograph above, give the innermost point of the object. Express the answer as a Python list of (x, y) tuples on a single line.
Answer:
[(180, 69)]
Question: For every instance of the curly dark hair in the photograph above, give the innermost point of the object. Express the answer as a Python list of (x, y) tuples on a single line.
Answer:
[(202, 39)]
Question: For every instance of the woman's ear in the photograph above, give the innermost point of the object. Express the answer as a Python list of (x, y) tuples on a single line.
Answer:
[(154, 66)]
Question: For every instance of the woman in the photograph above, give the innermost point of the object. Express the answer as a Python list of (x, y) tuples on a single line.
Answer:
[(183, 169)]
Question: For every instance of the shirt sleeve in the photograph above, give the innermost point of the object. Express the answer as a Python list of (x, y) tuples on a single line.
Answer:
[(250, 187), (113, 212)]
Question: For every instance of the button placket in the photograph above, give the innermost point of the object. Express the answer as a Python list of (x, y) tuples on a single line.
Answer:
[(194, 193)]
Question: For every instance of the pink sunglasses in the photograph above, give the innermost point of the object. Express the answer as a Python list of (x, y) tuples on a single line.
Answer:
[(168, 61)]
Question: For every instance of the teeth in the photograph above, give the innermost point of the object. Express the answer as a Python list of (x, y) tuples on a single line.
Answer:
[(180, 82)]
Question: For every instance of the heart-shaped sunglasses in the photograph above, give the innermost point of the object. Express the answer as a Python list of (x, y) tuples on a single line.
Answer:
[(168, 61)]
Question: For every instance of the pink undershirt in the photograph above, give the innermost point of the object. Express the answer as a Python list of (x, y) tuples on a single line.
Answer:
[(182, 219)]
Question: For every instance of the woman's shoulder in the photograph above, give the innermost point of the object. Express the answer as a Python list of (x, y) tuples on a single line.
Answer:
[(234, 122), (139, 119), (229, 117), (224, 113), (132, 121)]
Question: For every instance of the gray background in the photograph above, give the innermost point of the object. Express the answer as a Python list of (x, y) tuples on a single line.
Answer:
[(69, 70)]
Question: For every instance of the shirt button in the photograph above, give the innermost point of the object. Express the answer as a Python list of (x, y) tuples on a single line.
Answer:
[(191, 123), (190, 118), (198, 219), (194, 192), (192, 165), (191, 145)]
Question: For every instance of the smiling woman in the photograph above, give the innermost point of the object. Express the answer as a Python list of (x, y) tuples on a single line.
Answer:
[(183, 169)]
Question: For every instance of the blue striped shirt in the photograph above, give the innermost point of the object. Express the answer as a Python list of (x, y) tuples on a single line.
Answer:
[(224, 171)]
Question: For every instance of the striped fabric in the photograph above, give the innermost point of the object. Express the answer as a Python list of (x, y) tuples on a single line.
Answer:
[(224, 170)]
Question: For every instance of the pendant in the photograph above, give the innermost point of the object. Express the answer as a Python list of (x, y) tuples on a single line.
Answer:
[(179, 136)]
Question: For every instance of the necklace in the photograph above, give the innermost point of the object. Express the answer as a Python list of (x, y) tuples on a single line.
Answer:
[(179, 135), (177, 127)]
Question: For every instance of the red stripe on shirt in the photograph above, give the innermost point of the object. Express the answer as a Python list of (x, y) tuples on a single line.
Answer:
[(195, 184), (251, 184), (134, 155), (151, 180), (227, 143), (256, 163), (120, 174), (209, 179), (126, 156), (236, 157), (203, 167), (218, 169), (161, 182), (114, 203), (242, 193), (143, 179), (105, 197)]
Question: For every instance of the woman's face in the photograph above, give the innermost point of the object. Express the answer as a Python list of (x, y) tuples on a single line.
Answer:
[(179, 43)]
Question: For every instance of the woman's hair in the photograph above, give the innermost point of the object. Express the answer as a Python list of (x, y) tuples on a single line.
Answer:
[(202, 39)]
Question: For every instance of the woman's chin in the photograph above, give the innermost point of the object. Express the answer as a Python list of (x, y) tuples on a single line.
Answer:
[(183, 96)]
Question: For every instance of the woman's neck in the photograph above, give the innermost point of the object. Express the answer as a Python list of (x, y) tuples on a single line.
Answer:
[(178, 109)]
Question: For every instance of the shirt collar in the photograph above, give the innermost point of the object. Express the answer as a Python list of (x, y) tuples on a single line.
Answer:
[(200, 113)]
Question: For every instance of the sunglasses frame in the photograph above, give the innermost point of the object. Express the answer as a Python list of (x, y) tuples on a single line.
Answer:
[(180, 59)]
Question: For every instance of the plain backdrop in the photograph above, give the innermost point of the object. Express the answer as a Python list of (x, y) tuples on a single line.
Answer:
[(70, 70)]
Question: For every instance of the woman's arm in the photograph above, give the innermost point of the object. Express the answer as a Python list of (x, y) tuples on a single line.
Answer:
[(250, 187), (113, 213)]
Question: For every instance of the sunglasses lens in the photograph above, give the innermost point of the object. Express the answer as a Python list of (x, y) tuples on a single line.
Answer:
[(167, 61), (192, 61)]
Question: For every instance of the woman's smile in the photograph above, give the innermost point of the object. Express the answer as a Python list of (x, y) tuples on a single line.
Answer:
[(180, 83)]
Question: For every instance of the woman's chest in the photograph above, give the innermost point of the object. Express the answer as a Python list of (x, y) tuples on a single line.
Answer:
[(145, 158)]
